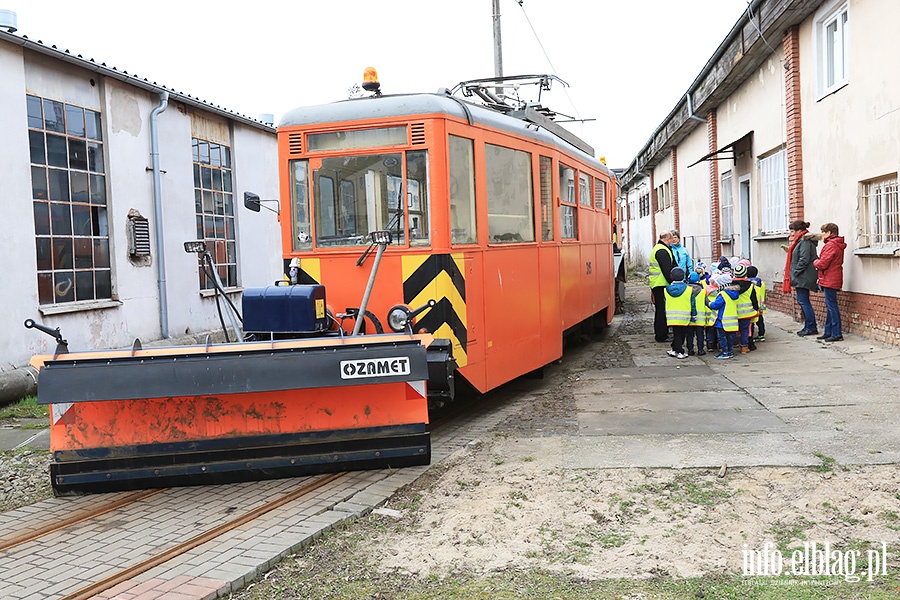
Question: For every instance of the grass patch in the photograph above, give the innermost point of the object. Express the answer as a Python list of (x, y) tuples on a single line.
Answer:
[(828, 463), (26, 408), (787, 533)]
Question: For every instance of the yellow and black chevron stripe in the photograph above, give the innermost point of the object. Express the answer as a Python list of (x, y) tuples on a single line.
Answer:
[(440, 277), (310, 271)]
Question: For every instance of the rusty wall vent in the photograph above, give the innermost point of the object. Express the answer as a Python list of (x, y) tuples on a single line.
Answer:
[(295, 143), (138, 235), (418, 134)]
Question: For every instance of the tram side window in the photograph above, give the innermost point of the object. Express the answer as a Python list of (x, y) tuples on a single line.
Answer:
[(600, 194), (568, 211), (354, 195), (584, 190), (510, 195), (417, 198), (462, 191), (300, 205), (546, 198)]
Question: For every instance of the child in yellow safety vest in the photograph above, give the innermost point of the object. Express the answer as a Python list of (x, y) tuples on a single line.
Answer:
[(753, 276), (747, 305), (699, 315), (678, 311), (724, 307)]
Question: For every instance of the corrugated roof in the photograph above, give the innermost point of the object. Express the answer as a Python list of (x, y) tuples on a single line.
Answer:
[(131, 78)]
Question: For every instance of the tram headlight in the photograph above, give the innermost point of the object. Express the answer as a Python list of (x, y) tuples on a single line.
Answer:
[(398, 318)]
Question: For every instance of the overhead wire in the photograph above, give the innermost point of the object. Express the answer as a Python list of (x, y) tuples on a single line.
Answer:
[(550, 62)]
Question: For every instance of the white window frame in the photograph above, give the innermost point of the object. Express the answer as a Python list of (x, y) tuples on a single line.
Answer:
[(879, 213), (832, 47), (774, 192), (726, 206)]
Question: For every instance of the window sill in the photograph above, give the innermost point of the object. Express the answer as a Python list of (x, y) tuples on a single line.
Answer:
[(728, 241), (764, 237), (211, 293), (70, 307), (887, 252), (833, 90)]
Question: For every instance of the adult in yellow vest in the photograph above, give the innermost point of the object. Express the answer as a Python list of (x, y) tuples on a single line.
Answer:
[(678, 311), (661, 263)]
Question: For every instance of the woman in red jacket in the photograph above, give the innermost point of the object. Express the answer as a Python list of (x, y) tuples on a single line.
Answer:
[(830, 266)]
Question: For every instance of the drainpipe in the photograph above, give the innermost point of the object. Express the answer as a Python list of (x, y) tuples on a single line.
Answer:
[(690, 109), (158, 212)]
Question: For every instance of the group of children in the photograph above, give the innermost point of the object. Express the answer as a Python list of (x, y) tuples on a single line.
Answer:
[(716, 309)]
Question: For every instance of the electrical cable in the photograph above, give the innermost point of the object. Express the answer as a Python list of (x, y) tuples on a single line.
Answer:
[(207, 267), (550, 62)]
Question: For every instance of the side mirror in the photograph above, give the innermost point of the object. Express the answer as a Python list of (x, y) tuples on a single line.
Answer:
[(251, 201)]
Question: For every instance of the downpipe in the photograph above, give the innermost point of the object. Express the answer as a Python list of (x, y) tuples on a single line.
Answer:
[(158, 214)]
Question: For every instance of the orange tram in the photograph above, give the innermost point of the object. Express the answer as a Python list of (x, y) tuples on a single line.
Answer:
[(496, 213), (492, 235)]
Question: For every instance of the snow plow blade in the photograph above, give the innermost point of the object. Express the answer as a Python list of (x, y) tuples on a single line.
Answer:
[(193, 415)]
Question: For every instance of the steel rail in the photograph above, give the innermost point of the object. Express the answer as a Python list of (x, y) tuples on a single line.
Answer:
[(73, 520), (167, 555)]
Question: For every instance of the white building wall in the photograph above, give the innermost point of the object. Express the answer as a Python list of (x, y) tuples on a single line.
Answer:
[(853, 134), (693, 195), (125, 118)]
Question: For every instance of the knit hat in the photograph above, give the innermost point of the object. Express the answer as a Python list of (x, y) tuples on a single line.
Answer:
[(740, 270), (694, 277), (752, 271), (677, 274), (701, 265), (723, 280), (744, 262), (723, 262)]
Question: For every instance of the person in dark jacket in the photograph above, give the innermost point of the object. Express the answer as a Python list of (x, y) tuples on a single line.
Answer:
[(662, 261), (800, 273), (830, 266)]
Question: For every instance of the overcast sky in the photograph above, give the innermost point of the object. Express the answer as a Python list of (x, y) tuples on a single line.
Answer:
[(628, 62)]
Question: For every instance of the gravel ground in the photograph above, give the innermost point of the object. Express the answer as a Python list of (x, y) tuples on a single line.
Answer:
[(24, 478)]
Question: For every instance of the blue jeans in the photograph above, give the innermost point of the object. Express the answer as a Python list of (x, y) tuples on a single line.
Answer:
[(809, 314), (726, 341), (832, 313), (744, 326)]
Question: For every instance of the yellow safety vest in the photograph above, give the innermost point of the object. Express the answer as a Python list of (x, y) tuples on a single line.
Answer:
[(729, 314), (761, 295), (678, 308), (745, 308), (703, 313), (656, 275)]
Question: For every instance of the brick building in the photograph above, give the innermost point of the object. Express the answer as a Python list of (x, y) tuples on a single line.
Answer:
[(795, 116)]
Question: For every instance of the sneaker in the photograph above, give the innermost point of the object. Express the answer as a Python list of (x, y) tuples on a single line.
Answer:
[(725, 356), (823, 336), (701, 352), (690, 352), (681, 355), (806, 332), (759, 338), (752, 346), (672, 353), (835, 338)]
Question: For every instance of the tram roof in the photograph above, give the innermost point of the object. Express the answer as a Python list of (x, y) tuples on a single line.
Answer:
[(402, 105)]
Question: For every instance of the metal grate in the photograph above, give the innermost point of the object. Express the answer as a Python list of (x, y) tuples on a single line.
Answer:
[(138, 236), (418, 134), (295, 143)]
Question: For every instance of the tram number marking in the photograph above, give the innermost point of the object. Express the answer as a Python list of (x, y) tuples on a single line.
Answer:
[(374, 367), (589, 268)]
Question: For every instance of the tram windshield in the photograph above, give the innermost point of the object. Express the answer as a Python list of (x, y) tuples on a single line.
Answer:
[(355, 195)]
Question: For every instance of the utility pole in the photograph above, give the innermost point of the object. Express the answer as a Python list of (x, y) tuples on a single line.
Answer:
[(498, 46)]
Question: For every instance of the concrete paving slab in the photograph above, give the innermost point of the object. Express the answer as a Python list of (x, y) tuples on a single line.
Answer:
[(659, 385), (588, 402), (11, 438), (647, 372), (687, 451), (839, 382), (822, 396), (679, 422)]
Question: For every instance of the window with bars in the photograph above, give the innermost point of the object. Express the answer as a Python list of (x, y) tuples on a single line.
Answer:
[(68, 185), (879, 205), (727, 207), (773, 189), (214, 208), (644, 205)]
